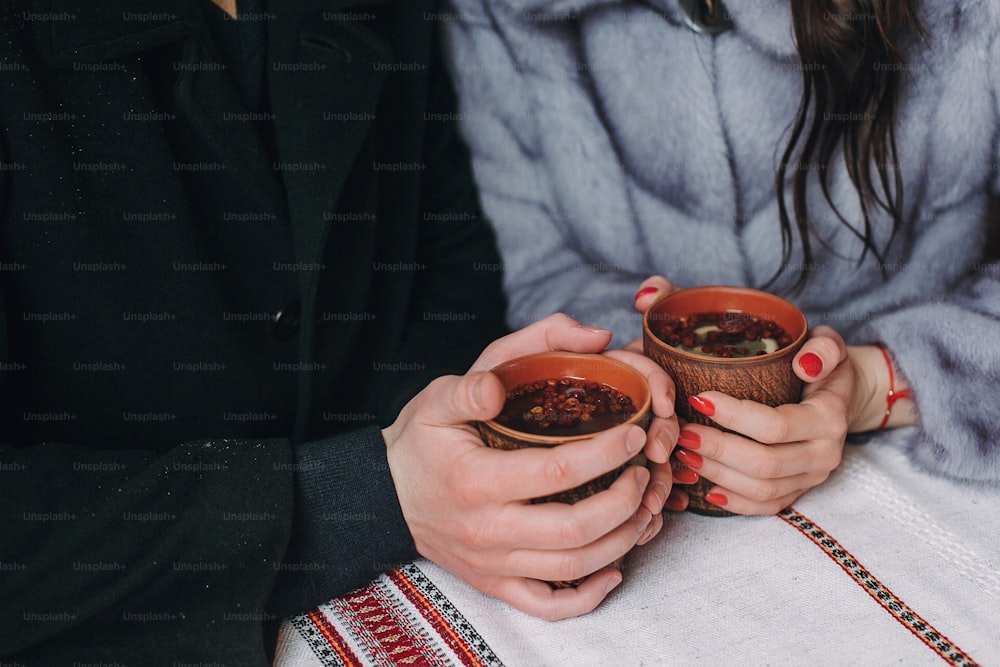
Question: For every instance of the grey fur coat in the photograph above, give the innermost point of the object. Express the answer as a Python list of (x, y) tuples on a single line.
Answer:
[(611, 142)]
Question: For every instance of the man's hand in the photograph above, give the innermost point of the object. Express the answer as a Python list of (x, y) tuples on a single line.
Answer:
[(468, 506)]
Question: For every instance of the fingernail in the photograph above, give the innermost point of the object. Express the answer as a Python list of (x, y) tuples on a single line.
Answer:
[(635, 439), (702, 405), (645, 291), (644, 517), (661, 493), (476, 393), (690, 459), (666, 442), (811, 364), (689, 439), (613, 583), (646, 536), (717, 498), (675, 501), (595, 330), (686, 476)]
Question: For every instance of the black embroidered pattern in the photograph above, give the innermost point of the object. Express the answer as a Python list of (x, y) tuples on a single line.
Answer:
[(454, 617), (923, 630)]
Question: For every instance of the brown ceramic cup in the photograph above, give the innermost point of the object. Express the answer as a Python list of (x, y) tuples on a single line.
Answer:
[(559, 365), (767, 379)]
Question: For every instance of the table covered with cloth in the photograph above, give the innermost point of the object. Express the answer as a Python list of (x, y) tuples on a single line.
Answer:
[(881, 565)]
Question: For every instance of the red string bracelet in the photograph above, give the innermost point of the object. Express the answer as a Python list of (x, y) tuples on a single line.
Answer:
[(893, 395)]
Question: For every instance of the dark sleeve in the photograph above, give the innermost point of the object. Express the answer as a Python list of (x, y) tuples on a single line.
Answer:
[(349, 527), (188, 539), (458, 302), (192, 538)]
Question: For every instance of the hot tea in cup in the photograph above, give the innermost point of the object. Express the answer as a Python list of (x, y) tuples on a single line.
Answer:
[(558, 397), (736, 340)]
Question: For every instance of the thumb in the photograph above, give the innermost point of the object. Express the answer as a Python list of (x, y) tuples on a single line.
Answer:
[(650, 290), (476, 396), (822, 352)]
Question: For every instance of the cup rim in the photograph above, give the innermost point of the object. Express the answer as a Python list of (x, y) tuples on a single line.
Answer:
[(791, 348), (637, 416)]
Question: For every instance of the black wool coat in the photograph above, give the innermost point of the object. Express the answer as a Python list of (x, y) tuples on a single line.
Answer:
[(207, 311)]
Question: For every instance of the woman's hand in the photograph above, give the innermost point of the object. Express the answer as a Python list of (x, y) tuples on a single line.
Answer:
[(650, 291), (775, 454)]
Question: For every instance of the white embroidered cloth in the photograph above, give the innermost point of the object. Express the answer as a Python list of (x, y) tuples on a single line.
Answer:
[(881, 565)]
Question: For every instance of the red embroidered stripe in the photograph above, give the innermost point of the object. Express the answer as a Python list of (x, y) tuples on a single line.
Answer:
[(385, 633), (401, 618), (923, 630), (334, 640), (440, 624)]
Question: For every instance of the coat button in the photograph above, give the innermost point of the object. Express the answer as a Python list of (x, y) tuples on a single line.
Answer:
[(706, 16), (286, 321)]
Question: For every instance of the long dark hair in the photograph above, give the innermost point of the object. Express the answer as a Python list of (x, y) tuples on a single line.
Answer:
[(851, 70)]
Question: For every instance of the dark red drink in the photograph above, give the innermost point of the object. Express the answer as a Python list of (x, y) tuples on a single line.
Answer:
[(565, 406), (726, 335)]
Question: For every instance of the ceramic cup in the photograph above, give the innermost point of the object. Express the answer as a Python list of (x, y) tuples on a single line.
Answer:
[(567, 365), (767, 378)]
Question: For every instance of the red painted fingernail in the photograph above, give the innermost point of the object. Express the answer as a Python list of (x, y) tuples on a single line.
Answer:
[(689, 439), (690, 459), (716, 499), (703, 406), (676, 502), (645, 291), (811, 364), (686, 476)]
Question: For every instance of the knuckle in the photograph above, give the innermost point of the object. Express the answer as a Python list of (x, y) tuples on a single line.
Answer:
[(763, 491), (820, 478), (480, 536), (831, 461), (569, 566), (775, 431), (826, 347), (825, 335), (768, 466), (561, 319), (775, 506), (439, 385), (466, 489), (557, 472), (838, 423), (572, 530)]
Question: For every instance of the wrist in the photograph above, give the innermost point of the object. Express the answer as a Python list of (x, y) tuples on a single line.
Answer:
[(881, 394), (871, 384)]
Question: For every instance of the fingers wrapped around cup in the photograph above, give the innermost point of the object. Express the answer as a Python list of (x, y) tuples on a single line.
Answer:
[(558, 397), (735, 340)]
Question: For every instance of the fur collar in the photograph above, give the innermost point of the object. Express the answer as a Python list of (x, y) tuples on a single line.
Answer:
[(768, 23)]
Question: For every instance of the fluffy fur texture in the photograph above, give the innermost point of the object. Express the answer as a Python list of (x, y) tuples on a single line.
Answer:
[(611, 142)]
